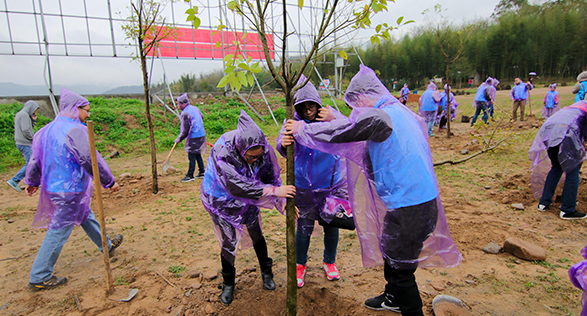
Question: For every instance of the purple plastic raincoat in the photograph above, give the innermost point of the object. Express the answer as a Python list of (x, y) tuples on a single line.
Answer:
[(481, 94), (429, 102), (567, 128), (578, 276), (551, 102), (453, 106), (404, 93), (318, 175), (62, 167), (232, 189), (389, 171), (192, 127)]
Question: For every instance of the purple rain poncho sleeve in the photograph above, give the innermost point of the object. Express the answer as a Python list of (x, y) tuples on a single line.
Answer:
[(61, 166), (371, 173), (567, 128), (192, 130), (578, 276), (232, 190)]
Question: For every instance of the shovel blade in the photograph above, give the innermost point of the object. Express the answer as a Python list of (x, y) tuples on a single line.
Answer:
[(122, 295), (165, 166)]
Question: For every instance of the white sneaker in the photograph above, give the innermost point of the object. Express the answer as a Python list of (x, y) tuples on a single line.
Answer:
[(541, 208)]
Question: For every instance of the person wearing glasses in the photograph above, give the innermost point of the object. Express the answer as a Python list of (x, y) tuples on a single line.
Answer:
[(242, 176), (192, 130), (396, 206), (24, 122), (318, 177), (61, 166)]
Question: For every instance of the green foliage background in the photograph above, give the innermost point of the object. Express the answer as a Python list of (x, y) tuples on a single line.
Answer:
[(120, 124)]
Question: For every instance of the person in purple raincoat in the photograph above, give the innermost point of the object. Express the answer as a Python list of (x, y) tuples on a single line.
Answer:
[(491, 104), (482, 100), (519, 94), (404, 94), (318, 178), (429, 106), (444, 101), (192, 130), (578, 276), (559, 146), (551, 102), (242, 175), (61, 166), (392, 187)]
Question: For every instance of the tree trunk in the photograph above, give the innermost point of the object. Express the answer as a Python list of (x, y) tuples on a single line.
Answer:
[(447, 91), (149, 119), (292, 285)]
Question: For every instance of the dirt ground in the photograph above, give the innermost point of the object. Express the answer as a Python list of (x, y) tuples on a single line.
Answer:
[(171, 230)]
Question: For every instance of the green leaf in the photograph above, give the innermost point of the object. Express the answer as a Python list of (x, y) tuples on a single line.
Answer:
[(190, 11), (218, 44), (228, 58), (250, 79), (242, 78), (343, 54), (196, 23), (244, 66), (229, 69), (378, 28), (231, 5), (236, 85), (190, 17), (249, 59), (410, 21), (223, 82), (301, 3), (399, 20)]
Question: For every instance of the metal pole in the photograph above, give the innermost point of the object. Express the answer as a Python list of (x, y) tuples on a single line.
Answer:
[(63, 28), (112, 30), (87, 27), (250, 106), (165, 79), (47, 69)]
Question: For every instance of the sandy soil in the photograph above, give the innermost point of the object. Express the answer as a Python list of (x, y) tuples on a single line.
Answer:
[(171, 229)]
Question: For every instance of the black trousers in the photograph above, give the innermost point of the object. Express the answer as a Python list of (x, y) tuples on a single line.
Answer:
[(193, 158), (402, 285)]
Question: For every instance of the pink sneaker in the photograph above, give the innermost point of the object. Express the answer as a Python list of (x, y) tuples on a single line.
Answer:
[(331, 271), (301, 272)]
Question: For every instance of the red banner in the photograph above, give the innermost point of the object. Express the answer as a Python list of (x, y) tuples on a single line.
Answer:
[(190, 43)]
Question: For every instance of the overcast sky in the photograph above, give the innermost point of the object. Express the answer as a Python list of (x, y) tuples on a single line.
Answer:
[(109, 72)]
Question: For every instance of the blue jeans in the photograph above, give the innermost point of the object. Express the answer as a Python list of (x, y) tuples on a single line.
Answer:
[(481, 106), (26, 152), (303, 243), (42, 269), (571, 186), (193, 158)]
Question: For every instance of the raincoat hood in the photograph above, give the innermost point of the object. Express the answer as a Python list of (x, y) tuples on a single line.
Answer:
[(582, 76), (304, 94), (248, 134), (489, 81), (366, 84), (553, 86), (30, 107), (432, 86), (183, 101), (495, 82), (69, 102)]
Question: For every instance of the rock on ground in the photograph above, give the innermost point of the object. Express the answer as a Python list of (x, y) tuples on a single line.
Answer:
[(524, 249), (492, 248)]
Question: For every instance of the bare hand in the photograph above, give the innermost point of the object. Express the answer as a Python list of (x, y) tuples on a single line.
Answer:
[(30, 190), (297, 212), (114, 188), (325, 115), (286, 140), (286, 191), (291, 126)]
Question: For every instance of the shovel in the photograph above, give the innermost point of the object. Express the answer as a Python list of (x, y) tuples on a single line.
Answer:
[(166, 164), (445, 305), (98, 191)]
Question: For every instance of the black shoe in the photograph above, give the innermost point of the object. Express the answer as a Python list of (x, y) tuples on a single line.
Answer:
[(227, 287), (383, 302), (115, 242), (200, 175), (187, 179), (49, 284), (572, 215), (267, 275)]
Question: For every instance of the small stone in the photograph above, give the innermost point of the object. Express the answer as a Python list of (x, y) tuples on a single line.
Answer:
[(518, 206), (470, 281), (487, 187), (10, 221), (506, 200), (524, 249), (211, 275), (171, 170), (195, 275), (177, 311), (124, 175), (474, 141), (499, 175), (437, 286), (518, 261), (492, 248), (209, 309), (189, 292), (464, 151), (133, 181), (114, 154), (184, 300), (196, 285)]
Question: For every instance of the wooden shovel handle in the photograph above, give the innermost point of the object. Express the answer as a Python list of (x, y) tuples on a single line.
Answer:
[(171, 151)]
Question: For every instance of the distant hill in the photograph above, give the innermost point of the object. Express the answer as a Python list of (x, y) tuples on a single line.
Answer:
[(125, 89), (12, 89)]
